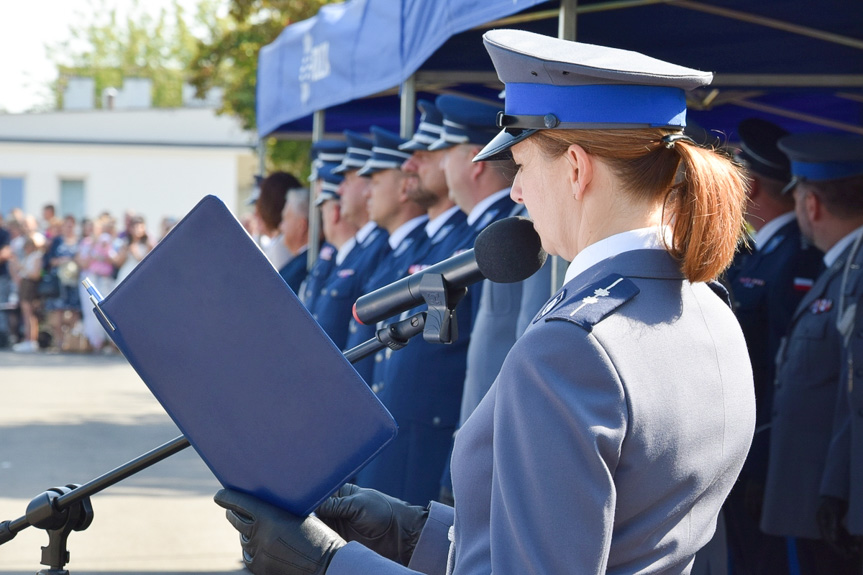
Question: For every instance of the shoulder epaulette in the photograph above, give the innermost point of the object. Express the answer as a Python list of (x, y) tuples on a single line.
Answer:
[(595, 302), (722, 292)]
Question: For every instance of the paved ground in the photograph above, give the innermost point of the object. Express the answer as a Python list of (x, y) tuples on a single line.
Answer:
[(71, 418)]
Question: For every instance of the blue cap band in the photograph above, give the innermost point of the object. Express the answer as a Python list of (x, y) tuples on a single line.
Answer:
[(816, 172), (599, 104)]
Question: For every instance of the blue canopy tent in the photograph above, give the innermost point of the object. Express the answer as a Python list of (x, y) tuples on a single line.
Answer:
[(356, 49), (778, 59)]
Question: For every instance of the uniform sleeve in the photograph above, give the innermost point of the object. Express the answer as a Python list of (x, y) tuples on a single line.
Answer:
[(429, 557), (356, 559), (559, 423)]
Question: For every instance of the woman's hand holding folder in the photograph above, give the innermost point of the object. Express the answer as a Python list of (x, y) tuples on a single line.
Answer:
[(275, 541), (386, 525)]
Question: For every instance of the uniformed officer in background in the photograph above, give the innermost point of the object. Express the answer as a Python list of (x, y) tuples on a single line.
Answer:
[(446, 229), (809, 365), (321, 191), (390, 207), (481, 189), (766, 288), (358, 256), (840, 510), (294, 229), (426, 186)]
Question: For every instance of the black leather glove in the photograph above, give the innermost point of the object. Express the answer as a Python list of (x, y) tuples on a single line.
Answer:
[(275, 541), (386, 525), (830, 515)]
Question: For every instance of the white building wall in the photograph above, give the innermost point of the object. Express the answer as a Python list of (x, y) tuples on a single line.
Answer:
[(154, 181)]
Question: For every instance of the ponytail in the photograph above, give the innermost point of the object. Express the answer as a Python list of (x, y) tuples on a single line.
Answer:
[(707, 206), (703, 193)]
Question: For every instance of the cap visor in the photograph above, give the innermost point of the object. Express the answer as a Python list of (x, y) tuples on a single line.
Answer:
[(500, 144), (440, 144), (413, 146)]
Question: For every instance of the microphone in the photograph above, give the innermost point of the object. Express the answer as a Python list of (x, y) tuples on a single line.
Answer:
[(507, 251)]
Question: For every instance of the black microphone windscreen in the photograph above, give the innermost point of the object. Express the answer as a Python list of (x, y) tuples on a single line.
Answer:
[(509, 250)]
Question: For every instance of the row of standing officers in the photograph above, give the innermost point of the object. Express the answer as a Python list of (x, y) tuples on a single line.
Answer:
[(795, 290), (391, 207)]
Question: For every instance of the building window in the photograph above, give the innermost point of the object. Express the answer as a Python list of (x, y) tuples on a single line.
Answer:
[(72, 199), (11, 194)]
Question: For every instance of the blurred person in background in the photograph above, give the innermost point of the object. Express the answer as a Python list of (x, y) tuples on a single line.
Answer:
[(168, 223), (128, 217), (294, 229), (64, 311), (96, 257), (28, 270), (268, 213), (5, 284), (133, 248)]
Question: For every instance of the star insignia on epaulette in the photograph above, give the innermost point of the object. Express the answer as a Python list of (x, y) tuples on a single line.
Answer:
[(594, 302), (597, 293)]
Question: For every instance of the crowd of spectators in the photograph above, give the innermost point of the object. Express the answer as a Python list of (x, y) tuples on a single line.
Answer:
[(42, 263)]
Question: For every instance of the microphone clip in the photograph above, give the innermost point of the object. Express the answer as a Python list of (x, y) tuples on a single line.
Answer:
[(440, 325)]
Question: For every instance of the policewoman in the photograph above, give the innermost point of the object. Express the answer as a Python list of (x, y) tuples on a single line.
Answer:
[(622, 416)]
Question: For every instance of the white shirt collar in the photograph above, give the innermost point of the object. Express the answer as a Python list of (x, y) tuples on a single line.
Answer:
[(403, 230), (640, 239), (434, 226), (833, 253), (769, 229), (346, 248), (479, 209), (364, 231)]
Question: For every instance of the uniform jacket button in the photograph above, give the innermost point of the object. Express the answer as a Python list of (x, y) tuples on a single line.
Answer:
[(436, 421)]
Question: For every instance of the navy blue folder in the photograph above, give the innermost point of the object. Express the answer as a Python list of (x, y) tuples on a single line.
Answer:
[(265, 397)]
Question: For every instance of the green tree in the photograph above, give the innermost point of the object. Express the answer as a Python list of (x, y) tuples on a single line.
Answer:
[(229, 59), (110, 46)]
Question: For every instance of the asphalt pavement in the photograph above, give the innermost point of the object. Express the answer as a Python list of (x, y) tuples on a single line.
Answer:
[(70, 418)]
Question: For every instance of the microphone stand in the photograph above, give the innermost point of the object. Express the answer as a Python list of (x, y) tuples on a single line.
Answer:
[(61, 510)]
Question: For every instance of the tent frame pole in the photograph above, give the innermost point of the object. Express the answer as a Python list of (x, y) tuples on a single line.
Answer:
[(318, 123), (408, 101)]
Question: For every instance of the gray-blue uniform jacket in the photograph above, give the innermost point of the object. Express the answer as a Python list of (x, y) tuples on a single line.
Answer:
[(505, 310), (608, 442), (843, 473), (807, 380)]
